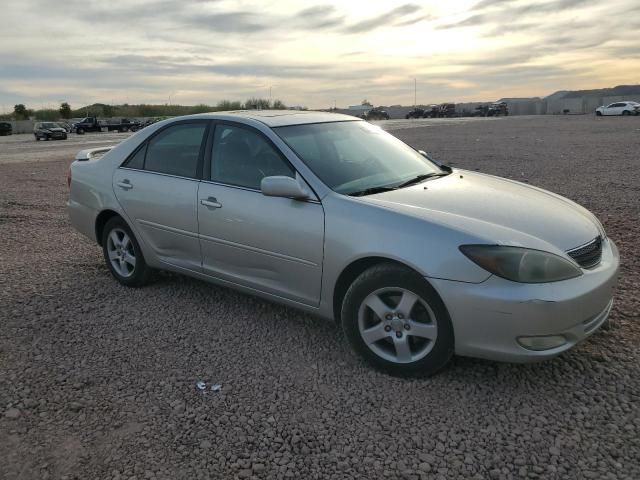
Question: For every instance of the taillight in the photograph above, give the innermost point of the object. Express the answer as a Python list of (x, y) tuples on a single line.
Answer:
[(69, 178)]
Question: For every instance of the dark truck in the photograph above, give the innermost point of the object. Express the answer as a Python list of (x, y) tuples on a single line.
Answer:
[(92, 124)]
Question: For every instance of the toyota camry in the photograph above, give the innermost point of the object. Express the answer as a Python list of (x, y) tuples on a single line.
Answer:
[(415, 260)]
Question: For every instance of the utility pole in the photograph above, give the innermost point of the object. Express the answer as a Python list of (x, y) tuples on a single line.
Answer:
[(414, 92)]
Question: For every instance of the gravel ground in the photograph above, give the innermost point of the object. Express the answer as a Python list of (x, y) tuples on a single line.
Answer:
[(98, 381)]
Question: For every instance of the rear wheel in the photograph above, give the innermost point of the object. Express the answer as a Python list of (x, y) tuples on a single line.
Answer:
[(626, 113), (397, 322), (123, 255)]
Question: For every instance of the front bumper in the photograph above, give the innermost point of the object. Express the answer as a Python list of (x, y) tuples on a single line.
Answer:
[(489, 317)]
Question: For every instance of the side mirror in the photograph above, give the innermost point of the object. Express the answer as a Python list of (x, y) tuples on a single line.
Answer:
[(281, 186)]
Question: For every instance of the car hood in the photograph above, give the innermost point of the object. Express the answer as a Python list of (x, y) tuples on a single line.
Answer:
[(495, 210)]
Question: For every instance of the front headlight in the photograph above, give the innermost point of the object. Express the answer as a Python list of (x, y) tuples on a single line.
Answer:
[(522, 265)]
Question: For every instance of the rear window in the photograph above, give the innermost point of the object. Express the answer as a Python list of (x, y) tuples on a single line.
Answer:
[(175, 150)]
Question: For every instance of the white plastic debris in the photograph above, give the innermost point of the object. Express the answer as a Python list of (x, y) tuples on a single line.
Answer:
[(200, 385), (216, 387)]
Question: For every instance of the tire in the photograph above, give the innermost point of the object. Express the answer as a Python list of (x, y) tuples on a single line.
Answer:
[(626, 113), (80, 131), (399, 341), (120, 248), (598, 114), (37, 138)]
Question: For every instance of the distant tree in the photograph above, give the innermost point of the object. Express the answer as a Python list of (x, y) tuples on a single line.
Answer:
[(367, 103), (65, 110), (257, 104), (47, 114), (107, 110), (201, 108), (279, 105), (20, 112), (228, 105)]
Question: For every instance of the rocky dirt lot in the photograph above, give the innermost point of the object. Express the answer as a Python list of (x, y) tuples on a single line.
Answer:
[(98, 381)]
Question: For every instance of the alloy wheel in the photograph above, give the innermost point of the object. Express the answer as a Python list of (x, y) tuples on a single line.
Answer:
[(121, 252), (397, 325)]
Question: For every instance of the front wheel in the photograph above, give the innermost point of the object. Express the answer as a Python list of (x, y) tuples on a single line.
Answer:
[(397, 322), (626, 113), (598, 114), (123, 255)]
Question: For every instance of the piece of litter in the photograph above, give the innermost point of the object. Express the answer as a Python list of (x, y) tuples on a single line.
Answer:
[(216, 388), (201, 385)]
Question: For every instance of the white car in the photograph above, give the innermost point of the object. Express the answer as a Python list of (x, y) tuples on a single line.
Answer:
[(619, 108)]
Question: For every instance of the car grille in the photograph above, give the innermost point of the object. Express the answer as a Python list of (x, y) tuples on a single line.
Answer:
[(589, 255)]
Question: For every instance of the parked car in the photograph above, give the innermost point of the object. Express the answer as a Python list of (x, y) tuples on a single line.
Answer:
[(93, 124), (5, 129), (49, 131), (327, 213), (498, 108), (431, 111), (447, 110), (415, 113), (619, 108), (480, 111), (376, 114)]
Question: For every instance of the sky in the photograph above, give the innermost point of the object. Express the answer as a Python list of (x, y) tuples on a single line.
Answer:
[(314, 54)]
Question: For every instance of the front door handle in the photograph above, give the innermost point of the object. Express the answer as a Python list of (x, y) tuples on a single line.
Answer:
[(125, 185), (211, 202)]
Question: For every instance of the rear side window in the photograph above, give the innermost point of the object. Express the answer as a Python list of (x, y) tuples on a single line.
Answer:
[(137, 161), (175, 150)]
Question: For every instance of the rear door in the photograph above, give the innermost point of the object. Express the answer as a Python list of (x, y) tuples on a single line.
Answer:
[(157, 187), (270, 244)]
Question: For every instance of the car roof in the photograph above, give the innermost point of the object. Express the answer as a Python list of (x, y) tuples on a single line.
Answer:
[(279, 118)]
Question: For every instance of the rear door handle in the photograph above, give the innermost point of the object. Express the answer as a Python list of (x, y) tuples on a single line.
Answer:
[(211, 202), (125, 185)]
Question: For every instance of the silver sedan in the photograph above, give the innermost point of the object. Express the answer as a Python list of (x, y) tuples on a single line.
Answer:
[(327, 213)]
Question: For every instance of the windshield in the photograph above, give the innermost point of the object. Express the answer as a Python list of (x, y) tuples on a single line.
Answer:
[(49, 125), (355, 156)]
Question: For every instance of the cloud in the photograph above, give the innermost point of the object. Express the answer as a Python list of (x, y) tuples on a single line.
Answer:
[(231, 22), (207, 50), (319, 17), (504, 12), (385, 19)]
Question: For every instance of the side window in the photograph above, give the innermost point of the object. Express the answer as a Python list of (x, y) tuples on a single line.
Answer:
[(175, 150), (243, 157), (137, 161)]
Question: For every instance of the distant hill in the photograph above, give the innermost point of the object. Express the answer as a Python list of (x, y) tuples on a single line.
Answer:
[(619, 91)]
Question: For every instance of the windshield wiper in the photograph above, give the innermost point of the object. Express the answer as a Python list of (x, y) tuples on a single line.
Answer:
[(420, 178), (371, 191)]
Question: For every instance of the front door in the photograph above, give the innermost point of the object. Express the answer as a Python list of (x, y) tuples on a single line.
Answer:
[(157, 188), (274, 245)]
